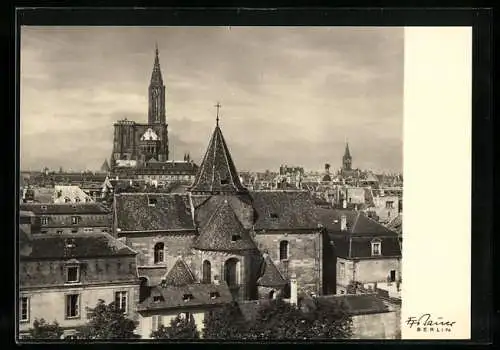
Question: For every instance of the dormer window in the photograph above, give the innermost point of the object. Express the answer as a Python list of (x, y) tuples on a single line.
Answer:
[(235, 238), (45, 220), (157, 298), (152, 202), (77, 199), (376, 247), (187, 297), (75, 220), (67, 200), (214, 295), (273, 215), (43, 207), (224, 181)]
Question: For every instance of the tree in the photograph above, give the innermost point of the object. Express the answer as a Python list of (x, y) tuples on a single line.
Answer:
[(180, 328), (280, 320), (43, 330), (224, 323), (108, 322)]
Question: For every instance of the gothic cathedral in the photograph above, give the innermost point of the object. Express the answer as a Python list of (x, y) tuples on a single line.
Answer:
[(141, 143)]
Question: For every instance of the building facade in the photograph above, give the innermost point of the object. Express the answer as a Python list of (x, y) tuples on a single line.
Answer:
[(63, 275), (69, 218)]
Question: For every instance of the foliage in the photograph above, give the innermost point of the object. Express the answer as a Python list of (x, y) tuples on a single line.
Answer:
[(277, 319), (43, 330), (224, 323), (180, 328), (108, 322)]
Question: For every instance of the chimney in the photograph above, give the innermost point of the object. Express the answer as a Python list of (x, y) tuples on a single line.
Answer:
[(343, 223), (293, 289), (344, 204)]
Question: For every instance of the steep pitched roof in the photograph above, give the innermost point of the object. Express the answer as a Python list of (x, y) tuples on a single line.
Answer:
[(217, 172), (270, 276), (224, 232), (347, 153), (64, 208), (284, 210), (396, 224), (179, 275), (358, 223), (105, 166), (152, 212), (205, 206)]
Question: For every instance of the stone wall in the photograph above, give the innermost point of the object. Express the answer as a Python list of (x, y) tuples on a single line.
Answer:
[(304, 257), (385, 325)]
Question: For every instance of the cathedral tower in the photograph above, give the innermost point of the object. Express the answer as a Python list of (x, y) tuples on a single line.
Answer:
[(156, 95)]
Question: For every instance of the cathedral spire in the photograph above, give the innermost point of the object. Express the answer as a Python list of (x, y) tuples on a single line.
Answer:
[(157, 112), (347, 159), (347, 154)]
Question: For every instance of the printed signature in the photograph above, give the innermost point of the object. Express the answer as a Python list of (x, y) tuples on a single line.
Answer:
[(426, 323)]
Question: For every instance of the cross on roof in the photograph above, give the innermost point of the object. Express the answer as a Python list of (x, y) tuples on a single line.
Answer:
[(218, 105)]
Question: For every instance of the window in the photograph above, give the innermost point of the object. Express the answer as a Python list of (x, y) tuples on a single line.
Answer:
[(24, 309), (207, 272), (77, 199), (67, 200), (224, 181), (121, 301), (157, 298), (157, 322), (72, 274), (376, 248), (214, 295), (88, 229), (44, 207), (392, 276), (152, 202), (389, 205), (235, 238), (74, 230), (342, 269), (273, 216), (45, 220), (75, 220), (44, 231), (187, 297), (158, 252), (284, 250), (59, 231), (72, 305)]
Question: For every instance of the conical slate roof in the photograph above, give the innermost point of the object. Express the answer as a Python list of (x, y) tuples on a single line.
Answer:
[(217, 173), (224, 232), (270, 275)]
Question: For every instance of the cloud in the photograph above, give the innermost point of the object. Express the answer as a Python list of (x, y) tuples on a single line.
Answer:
[(289, 94)]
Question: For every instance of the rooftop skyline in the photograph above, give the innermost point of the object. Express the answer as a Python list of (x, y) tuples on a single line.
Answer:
[(289, 95)]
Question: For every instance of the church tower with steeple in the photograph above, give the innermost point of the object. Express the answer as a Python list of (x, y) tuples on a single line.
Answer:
[(347, 159), (156, 94)]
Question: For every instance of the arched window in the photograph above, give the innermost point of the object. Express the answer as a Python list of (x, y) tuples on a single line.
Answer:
[(283, 250), (231, 268), (207, 272), (158, 252)]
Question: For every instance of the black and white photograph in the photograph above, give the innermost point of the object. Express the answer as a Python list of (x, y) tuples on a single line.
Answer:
[(211, 183)]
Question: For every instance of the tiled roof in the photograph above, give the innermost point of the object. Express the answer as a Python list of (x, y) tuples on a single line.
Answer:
[(64, 208), (169, 167), (220, 229), (179, 275), (134, 212), (81, 245), (396, 224), (172, 297), (357, 222), (217, 172), (242, 206), (270, 276), (71, 192), (284, 210)]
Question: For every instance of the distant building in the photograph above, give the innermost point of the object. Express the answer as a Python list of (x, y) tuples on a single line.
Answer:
[(70, 194), (69, 218), (62, 275)]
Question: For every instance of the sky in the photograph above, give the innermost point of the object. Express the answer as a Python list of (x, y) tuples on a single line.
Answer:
[(289, 95)]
